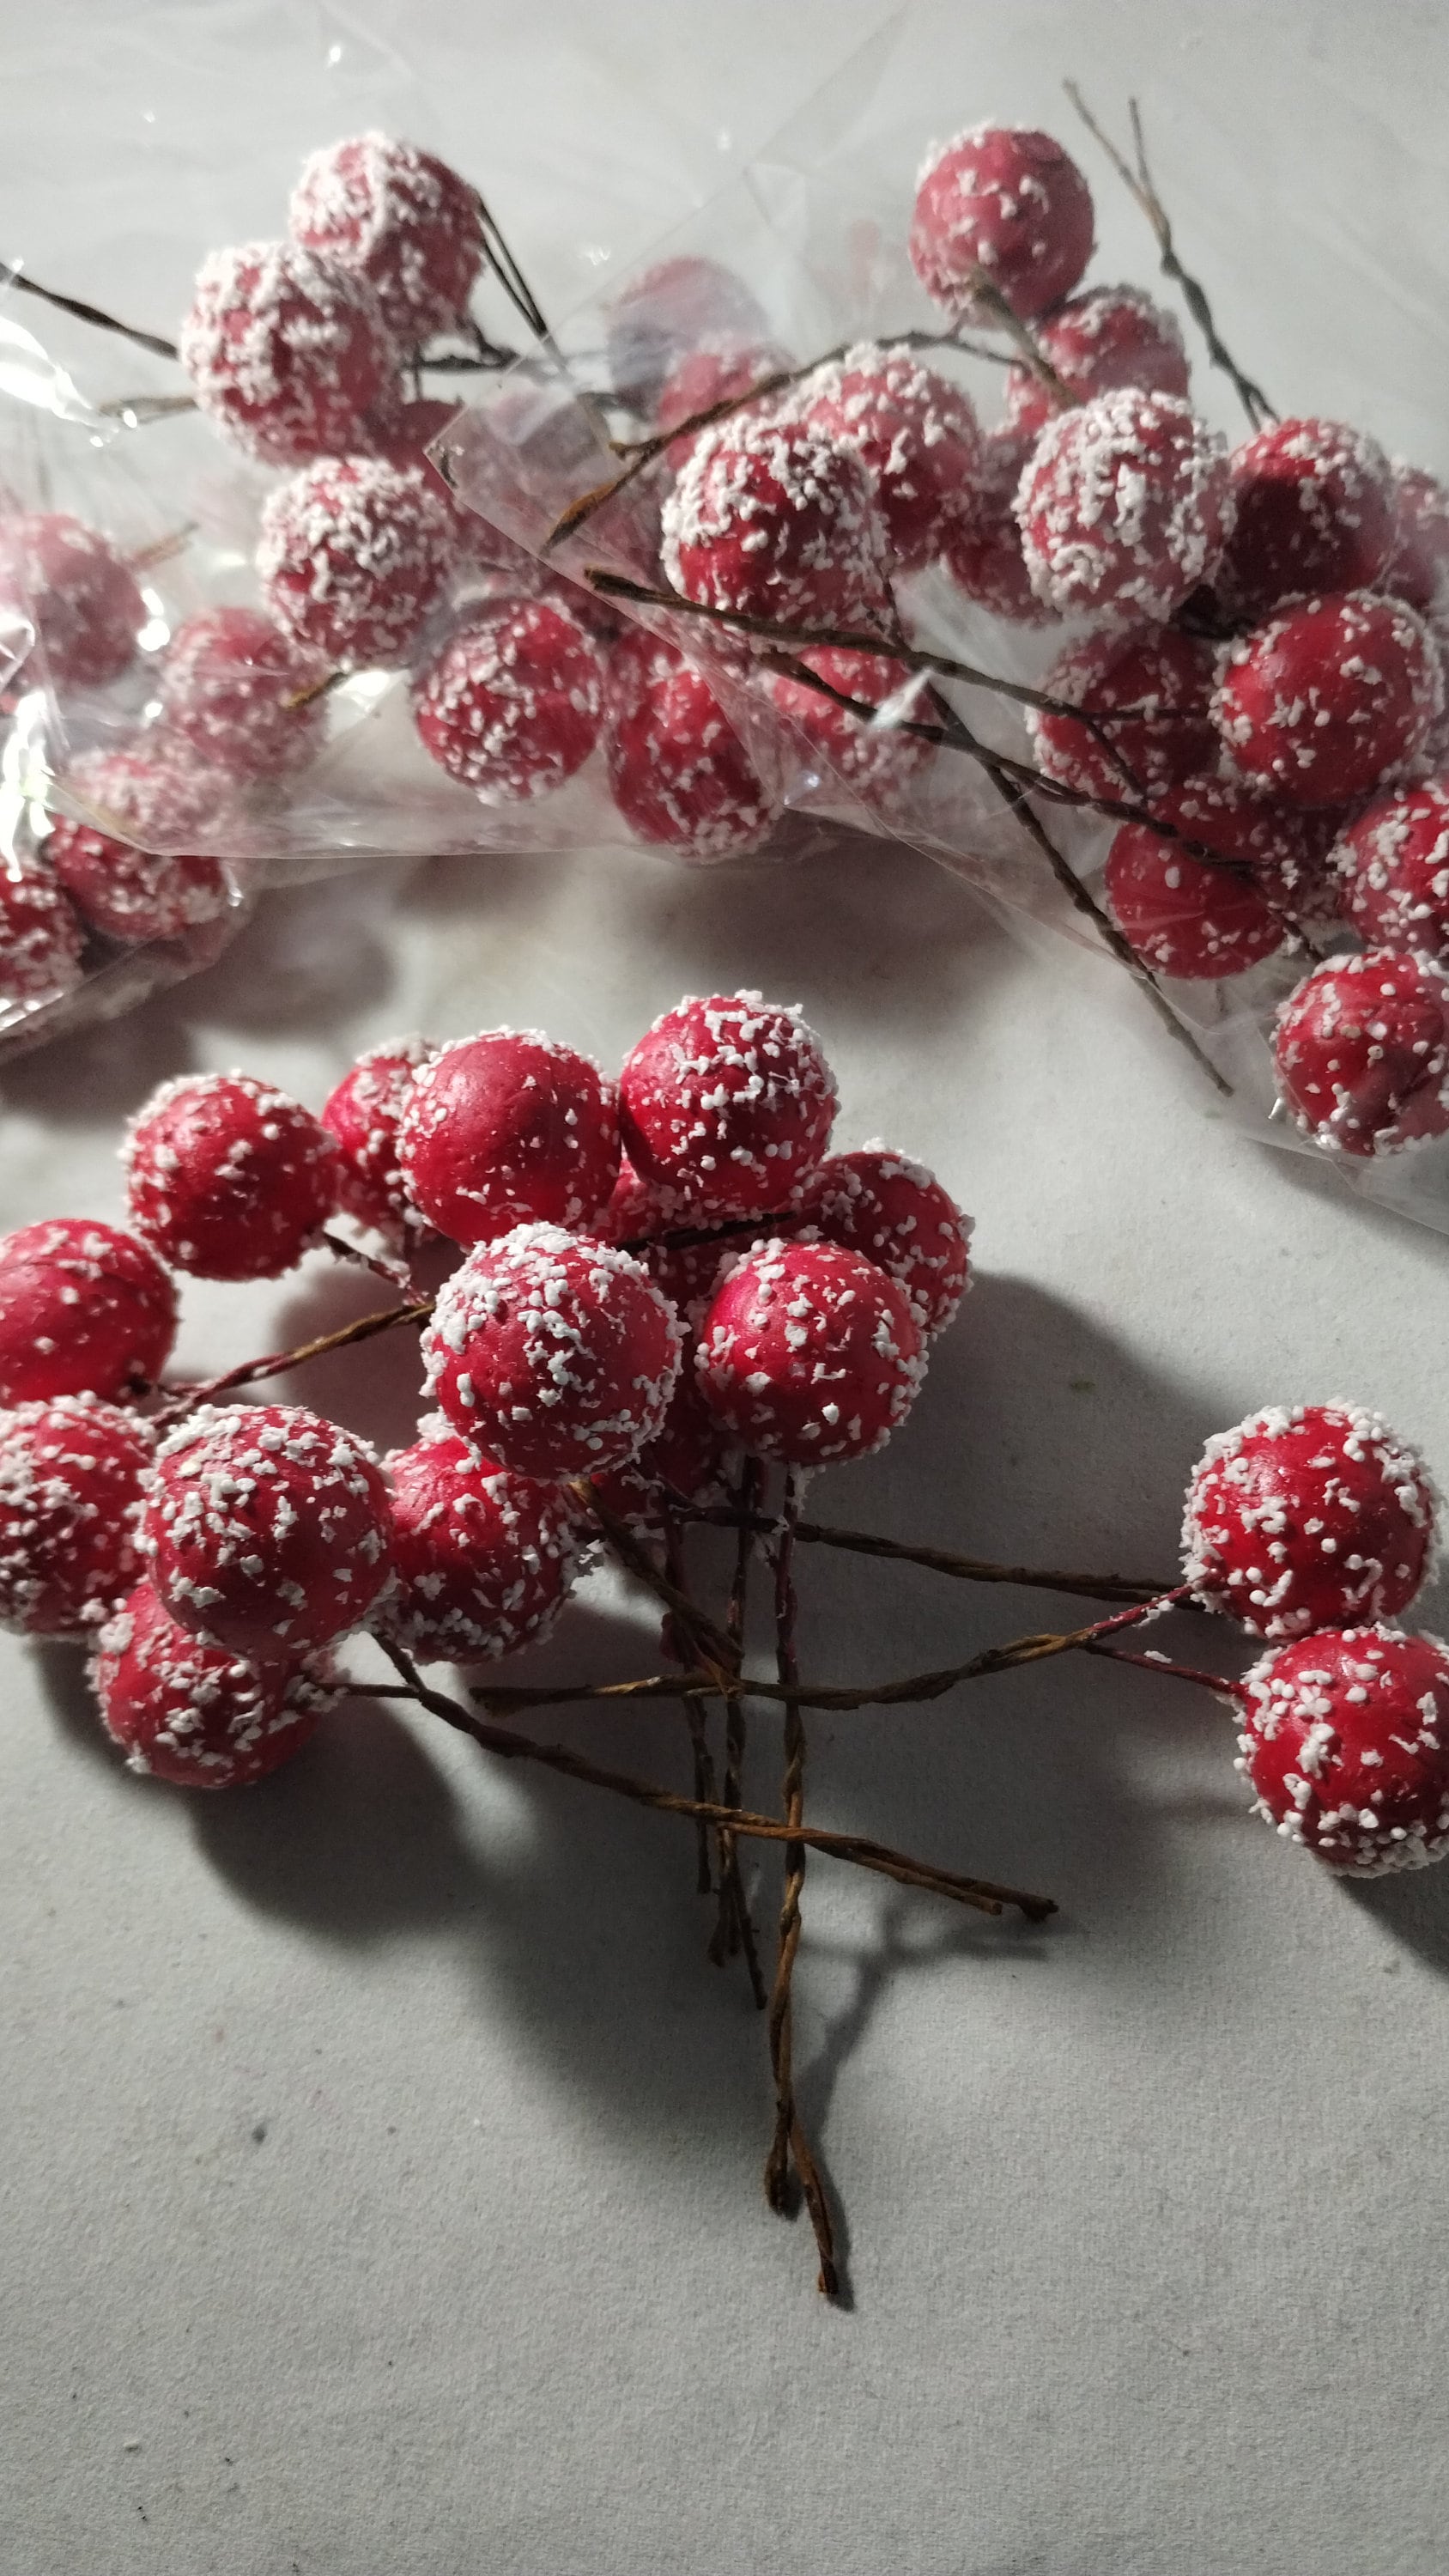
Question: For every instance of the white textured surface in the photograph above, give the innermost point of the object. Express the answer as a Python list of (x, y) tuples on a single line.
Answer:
[(378, 2155)]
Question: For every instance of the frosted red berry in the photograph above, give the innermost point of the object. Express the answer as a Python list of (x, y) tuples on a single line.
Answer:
[(71, 1473), (720, 370), (266, 1528), (916, 434), (1183, 916), (810, 1354), (192, 1714), (1393, 870), (84, 1310), (286, 351), (1108, 337), (1314, 512), (552, 1353), (1419, 565), (1308, 1516), (364, 1112), (1343, 1741), (896, 1213), (1286, 846), (42, 938), (401, 219), (770, 518), (140, 881), (482, 1558), (353, 554), (1331, 698), (678, 771), (729, 1102), (685, 1462), (1159, 670), (508, 1129), (79, 595), (678, 305), (514, 702), (1362, 1052), (984, 557), (1007, 200), (1124, 506), (242, 694), (876, 760), (228, 1178)]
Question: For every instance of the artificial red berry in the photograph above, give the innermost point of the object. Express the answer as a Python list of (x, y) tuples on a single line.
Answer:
[(1182, 915), (1286, 846), (483, 1558), (399, 218), (1344, 1740), (1419, 566), (514, 702), (508, 1129), (985, 557), (1393, 870), (1124, 506), (1326, 701), (729, 1102), (878, 761), (67, 582), (1314, 512), (1108, 337), (917, 436), (353, 554), (678, 771), (1362, 1052), (267, 1528), (193, 1714), (138, 881), (770, 518), (1158, 670), (1308, 1516), (552, 1353), (809, 1354), (896, 1213), (718, 371), (42, 939), (84, 1310), (286, 351), (71, 1473), (227, 1177), (364, 1112), (242, 695), (1007, 200), (660, 316), (637, 1209), (684, 1462)]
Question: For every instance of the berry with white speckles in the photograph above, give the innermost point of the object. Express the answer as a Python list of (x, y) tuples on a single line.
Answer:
[(1124, 506), (228, 1178), (658, 317), (1108, 337), (84, 1310), (984, 557), (1393, 870), (1419, 566), (1286, 846), (70, 585), (364, 1112), (678, 771), (241, 694), (1362, 1052), (810, 1354), (771, 518), (1308, 1516), (266, 1529), (895, 1212), (138, 881), (1157, 670), (42, 937), (514, 702), (1346, 1742), (1314, 512), (718, 371), (483, 1558), (71, 1474), (916, 434), (193, 1714), (1008, 200), (353, 554), (508, 1129), (1327, 701), (729, 1102), (401, 219), (877, 760), (1183, 916), (552, 1353), (286, 351)]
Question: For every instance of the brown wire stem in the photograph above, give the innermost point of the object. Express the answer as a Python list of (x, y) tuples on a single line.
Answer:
[(1219, 1683), (734, 1927), (694, 1716), (73, 304), (939, 1560)]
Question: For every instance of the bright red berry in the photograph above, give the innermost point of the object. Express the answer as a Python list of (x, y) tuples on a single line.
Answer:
[(71, 1473), (364, 1113), (1108, 337), (1344, 1741), (1007, 200), (193, 1714), (514, 702), (84, 1310), (1124, 506), (771, 518), (1314, 512), (1158, 670), (917, 436), (483, 1558), (552, 1353), (1325, 702), (229, 1178), (42, 938), (809, 1354), (242, 695), (139, 881), (728, 1101), (82, 599), (984, 557), (508, 1129), (720, 370), (266, 1528), (1308, 1516), (286, 351), (877, 761), (401, 219), (896, 1213), (1183, 916), (1286, 846), (1362, 1051), (353, 554), (678, 771), (1393, 870)]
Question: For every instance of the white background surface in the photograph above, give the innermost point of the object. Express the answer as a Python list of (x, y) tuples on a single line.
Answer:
[(378, 2154)]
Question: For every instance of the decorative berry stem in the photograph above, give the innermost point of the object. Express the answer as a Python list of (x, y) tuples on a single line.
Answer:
[(1218, 1683), (964, 1569), (16, 277), (704, 1777), (735, 1929)]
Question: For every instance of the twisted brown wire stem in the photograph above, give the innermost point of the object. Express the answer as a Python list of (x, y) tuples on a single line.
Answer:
[(734, 1930)]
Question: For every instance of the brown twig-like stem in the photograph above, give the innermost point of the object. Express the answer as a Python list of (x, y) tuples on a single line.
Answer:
[(1139, 181), (278, 1363), (1219, 1683), (940, 1560), (986, 293), (394, 1272), (82, 312), (704, 1779), (734, 1929)]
